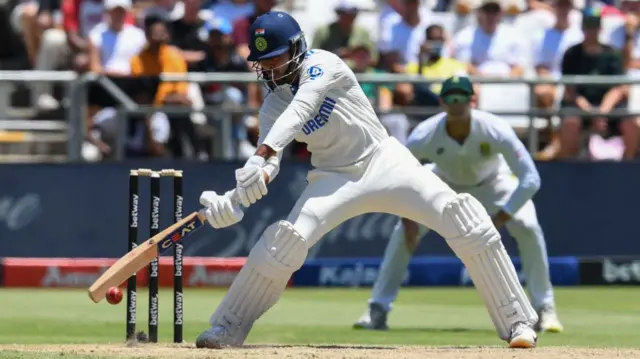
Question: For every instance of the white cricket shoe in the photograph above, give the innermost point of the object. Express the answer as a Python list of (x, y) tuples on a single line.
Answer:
[(549, 321), (214, 338), (374, 318), (523, 336)]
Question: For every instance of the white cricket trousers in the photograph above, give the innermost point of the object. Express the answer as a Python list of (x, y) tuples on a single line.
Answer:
[(390, 180), (524, 227)]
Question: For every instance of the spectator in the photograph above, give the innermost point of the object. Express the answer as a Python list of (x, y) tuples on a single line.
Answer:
[(491, 48), (186, 34), (339, 35), (222, 57), (58, 46), (113, 43), (31, 19), (545, 12), (389, 13), (233, 10), (146, 136), (168, 9), (433, 64), (397, 124), (160, 57), (241, 27), (249, 147), (402, 40), (590, 57), (360, 61), (549, 48), (626, 37)]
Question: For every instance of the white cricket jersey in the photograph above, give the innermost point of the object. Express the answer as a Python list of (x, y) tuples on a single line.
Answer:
[(327, 110), (491, 147)]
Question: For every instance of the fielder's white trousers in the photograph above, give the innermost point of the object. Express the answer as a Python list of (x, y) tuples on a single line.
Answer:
[(390, 181), (524, 227)]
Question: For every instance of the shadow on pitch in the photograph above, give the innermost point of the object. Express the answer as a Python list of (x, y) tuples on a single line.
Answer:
[(320, 346), (439, 330)]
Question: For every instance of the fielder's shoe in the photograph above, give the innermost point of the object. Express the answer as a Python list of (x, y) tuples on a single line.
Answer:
[(548, 321), (213, 338), (523, 336), (375, 318)]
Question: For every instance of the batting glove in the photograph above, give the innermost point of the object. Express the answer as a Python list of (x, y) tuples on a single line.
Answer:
[(221, 210), (250, 184)]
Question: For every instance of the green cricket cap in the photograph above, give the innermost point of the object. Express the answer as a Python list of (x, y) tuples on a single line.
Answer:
[(460, 83)]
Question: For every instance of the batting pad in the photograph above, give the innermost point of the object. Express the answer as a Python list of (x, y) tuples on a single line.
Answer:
[(481, 250), (279, 252)]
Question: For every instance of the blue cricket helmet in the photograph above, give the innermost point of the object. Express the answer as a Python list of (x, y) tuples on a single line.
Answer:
[(272, 34)]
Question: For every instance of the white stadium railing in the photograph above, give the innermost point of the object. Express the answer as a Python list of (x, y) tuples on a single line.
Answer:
[(77, 85)]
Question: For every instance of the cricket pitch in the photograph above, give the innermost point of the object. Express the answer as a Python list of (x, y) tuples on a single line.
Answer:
[(283, 351)]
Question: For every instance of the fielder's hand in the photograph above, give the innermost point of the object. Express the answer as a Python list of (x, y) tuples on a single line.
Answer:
[(221, 210), (251, 185)]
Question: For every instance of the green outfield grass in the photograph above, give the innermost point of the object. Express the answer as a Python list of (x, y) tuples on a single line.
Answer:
[(594, 317)]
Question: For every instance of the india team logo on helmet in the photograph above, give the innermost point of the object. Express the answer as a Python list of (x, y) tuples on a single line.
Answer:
[(261, 44)]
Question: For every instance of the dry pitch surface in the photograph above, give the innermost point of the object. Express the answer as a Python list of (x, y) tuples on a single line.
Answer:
[(304, 352)]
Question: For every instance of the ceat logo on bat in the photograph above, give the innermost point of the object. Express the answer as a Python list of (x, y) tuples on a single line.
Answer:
[(179, 233)]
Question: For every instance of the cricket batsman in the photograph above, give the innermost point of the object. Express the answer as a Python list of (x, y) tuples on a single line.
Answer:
[(315, 98), (478, 153)]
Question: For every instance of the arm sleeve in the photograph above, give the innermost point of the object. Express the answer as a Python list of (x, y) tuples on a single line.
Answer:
[(521, 165), (617, 67), (567, 62), (412, 68), (309, 97), (519, 51), (538, 52), (617, 38), (136, 66), (264, 126), (95, 38), (458, 48), (172, 62), (386, 38), (417, 142), (70, 15)]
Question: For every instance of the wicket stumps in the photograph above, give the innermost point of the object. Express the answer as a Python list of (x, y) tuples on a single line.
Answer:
[(154, 228)]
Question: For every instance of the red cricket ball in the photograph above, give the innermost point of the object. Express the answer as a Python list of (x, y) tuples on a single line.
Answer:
[(114, 295)]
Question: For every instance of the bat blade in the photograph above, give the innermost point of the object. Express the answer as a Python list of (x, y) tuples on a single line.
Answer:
[(144, 253)]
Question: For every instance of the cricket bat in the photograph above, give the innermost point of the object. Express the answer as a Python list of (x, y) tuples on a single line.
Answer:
[(144, 253)]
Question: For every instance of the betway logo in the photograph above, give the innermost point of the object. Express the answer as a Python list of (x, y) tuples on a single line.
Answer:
[(202, 277), (355, 276), (625, 272), (54, 277)]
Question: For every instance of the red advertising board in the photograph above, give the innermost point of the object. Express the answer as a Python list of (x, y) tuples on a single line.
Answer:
[(82, 272)]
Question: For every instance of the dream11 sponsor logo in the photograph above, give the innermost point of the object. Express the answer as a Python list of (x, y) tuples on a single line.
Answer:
[(617, 273)]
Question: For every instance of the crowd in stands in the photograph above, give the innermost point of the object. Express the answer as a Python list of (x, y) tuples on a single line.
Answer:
[(434, 39)]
